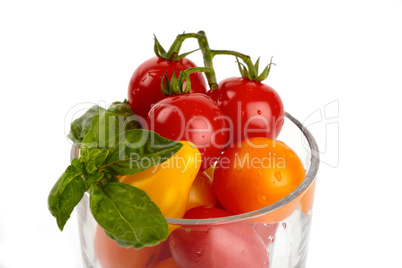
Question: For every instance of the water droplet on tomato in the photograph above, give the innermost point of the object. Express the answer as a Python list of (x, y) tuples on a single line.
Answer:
[(271, 238), (278, 175), (259, 112), (262, 199), (198, 255)]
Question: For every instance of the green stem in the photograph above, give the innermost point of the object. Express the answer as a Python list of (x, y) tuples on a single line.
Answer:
[(245, 58), (176, 44), (203, 43), (208, 55), (197, 70), (189, 71)]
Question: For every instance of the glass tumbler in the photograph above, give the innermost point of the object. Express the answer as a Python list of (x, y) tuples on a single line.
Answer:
[(275, 236)]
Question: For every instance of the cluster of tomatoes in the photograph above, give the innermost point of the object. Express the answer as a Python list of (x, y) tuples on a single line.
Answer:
[(211, 119), (229, 123), (244, 167)]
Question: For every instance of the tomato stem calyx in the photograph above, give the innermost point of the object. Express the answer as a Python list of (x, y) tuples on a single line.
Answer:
[(175, 85), (172, 54), (252, 73)]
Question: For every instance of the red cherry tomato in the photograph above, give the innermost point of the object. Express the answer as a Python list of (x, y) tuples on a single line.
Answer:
[(266, 231), (144, 89), (205, 212), (227, 245), (256, 173), (255, 109), (191, 117), (111, 255), (165, 251)]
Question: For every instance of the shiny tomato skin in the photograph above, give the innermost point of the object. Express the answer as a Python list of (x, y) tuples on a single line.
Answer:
[(206, 212), (266, 231), (256, 173), (191, 117), (202, 192), (234, 245), (165, 251), (144, 89), (306, 202), (210, 171), (111, 255), (255, 109)]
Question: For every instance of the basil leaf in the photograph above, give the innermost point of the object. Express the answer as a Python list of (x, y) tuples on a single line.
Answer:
[(66, 194), (112, 122), (105, 124), (80, 126), (139, 150), (78, 165), (94, 178), (93, 158), (127, 215)]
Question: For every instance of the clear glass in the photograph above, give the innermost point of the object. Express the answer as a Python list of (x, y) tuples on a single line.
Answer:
[(282, 227)]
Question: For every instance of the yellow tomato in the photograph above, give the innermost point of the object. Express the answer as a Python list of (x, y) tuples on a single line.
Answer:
[(201, 192), (210, 171), (168, 184)]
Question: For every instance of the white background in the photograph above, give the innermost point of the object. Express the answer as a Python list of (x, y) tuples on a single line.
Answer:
[(343, 55)]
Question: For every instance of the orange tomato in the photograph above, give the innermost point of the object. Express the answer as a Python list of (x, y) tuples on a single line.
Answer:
[(306, 202), (303, 202), (167, 263), (256, 173), (111, 255), (279, 214), (201, 192)]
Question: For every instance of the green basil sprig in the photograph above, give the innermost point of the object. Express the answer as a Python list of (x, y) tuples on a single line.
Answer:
[(104, 124), (125, 212), (66, 194)]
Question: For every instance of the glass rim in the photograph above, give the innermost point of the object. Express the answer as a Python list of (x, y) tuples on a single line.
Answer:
[(310, 177)]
